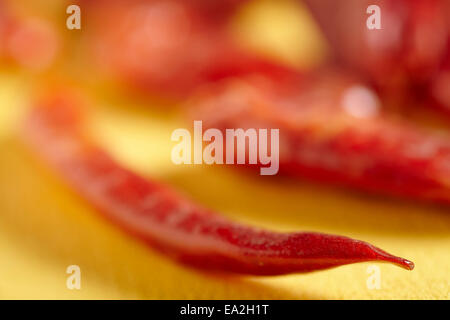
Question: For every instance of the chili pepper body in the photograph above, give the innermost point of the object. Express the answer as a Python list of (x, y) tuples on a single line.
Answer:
[(332, 129), (181, 229)]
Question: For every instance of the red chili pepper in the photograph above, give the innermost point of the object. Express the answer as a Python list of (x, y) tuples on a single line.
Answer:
[(171, 223), (332, 129), (405, 53), (168, 48)]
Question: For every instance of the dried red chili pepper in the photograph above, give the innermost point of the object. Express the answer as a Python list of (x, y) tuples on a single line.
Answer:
[(332, 129), (174, 225), (168, 48)]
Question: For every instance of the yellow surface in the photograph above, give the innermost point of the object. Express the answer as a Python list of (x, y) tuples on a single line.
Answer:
[(44, 227)]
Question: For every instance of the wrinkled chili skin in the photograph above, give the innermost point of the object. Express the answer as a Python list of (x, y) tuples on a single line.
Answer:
[(181, 229)]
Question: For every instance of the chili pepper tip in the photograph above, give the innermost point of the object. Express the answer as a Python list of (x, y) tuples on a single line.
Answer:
[(406, 264), (401, 262)]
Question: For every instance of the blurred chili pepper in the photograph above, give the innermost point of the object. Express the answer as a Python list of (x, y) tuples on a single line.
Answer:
[(410, 44), (403, 56), (332, 129), (168, 47), (167, 221), (31, 43)]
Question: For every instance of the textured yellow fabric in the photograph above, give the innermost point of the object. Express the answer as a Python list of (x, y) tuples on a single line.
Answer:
[(44, 227)]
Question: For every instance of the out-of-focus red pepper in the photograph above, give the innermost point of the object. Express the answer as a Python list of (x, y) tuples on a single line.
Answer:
[(31, 43), (407, 49), (403, 58), (176, 226), (168, 48), (332, 129)]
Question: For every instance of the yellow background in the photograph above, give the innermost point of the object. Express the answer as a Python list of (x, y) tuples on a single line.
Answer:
[(44, 227)]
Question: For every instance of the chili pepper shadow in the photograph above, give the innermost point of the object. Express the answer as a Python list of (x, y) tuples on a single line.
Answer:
[(53, 228)]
